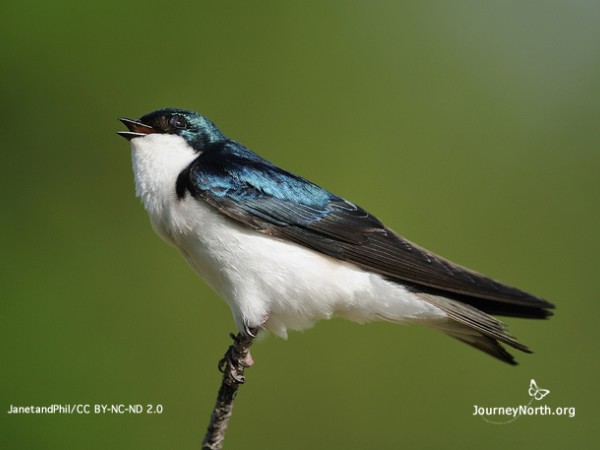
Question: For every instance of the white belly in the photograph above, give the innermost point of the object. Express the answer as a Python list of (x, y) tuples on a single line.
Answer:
[(277, 284)]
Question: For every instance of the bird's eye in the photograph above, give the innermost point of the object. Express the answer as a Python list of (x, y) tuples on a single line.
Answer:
[(178, 122)]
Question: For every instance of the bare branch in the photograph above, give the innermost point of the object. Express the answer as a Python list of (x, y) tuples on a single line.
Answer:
[(236, 359)]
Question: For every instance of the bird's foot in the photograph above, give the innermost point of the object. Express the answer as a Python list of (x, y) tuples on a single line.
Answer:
[(238, 357)]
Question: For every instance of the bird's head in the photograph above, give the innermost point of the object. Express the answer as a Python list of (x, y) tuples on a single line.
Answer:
[(163, 144), (195, 129)]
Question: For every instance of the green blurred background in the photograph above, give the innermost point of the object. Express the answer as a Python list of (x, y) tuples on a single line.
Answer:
[(479, 122)]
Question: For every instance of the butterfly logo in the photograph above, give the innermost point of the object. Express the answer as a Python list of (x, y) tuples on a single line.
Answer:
[(537, 392)]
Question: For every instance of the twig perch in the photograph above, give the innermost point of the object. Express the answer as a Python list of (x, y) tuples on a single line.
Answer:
[(236, 359)]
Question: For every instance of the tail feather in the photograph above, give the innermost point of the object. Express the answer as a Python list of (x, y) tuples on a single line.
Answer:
[(474, 327), (486, 344)]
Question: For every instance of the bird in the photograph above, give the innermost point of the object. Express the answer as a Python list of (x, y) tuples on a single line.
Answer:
[(285, 253)]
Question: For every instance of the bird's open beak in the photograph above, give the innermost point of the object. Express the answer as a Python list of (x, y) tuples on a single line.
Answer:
[(136, 129)]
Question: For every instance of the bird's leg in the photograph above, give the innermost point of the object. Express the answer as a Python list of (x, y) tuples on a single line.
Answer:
[(251, 333)]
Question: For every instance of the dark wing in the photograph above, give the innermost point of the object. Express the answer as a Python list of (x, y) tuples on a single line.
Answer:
[(258, 194), (254, 192)]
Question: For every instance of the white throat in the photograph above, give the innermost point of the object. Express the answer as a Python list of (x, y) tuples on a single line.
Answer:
[(157, 161)]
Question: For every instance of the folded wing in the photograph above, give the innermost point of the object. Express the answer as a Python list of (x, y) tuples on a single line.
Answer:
[(253, 191)]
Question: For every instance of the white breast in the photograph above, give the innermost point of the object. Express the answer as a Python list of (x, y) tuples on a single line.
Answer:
[(266, 281)]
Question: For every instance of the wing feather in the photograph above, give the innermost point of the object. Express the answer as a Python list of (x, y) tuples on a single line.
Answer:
[(253, 191)]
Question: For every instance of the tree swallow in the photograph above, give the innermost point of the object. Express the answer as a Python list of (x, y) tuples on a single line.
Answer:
[(284, 252)]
